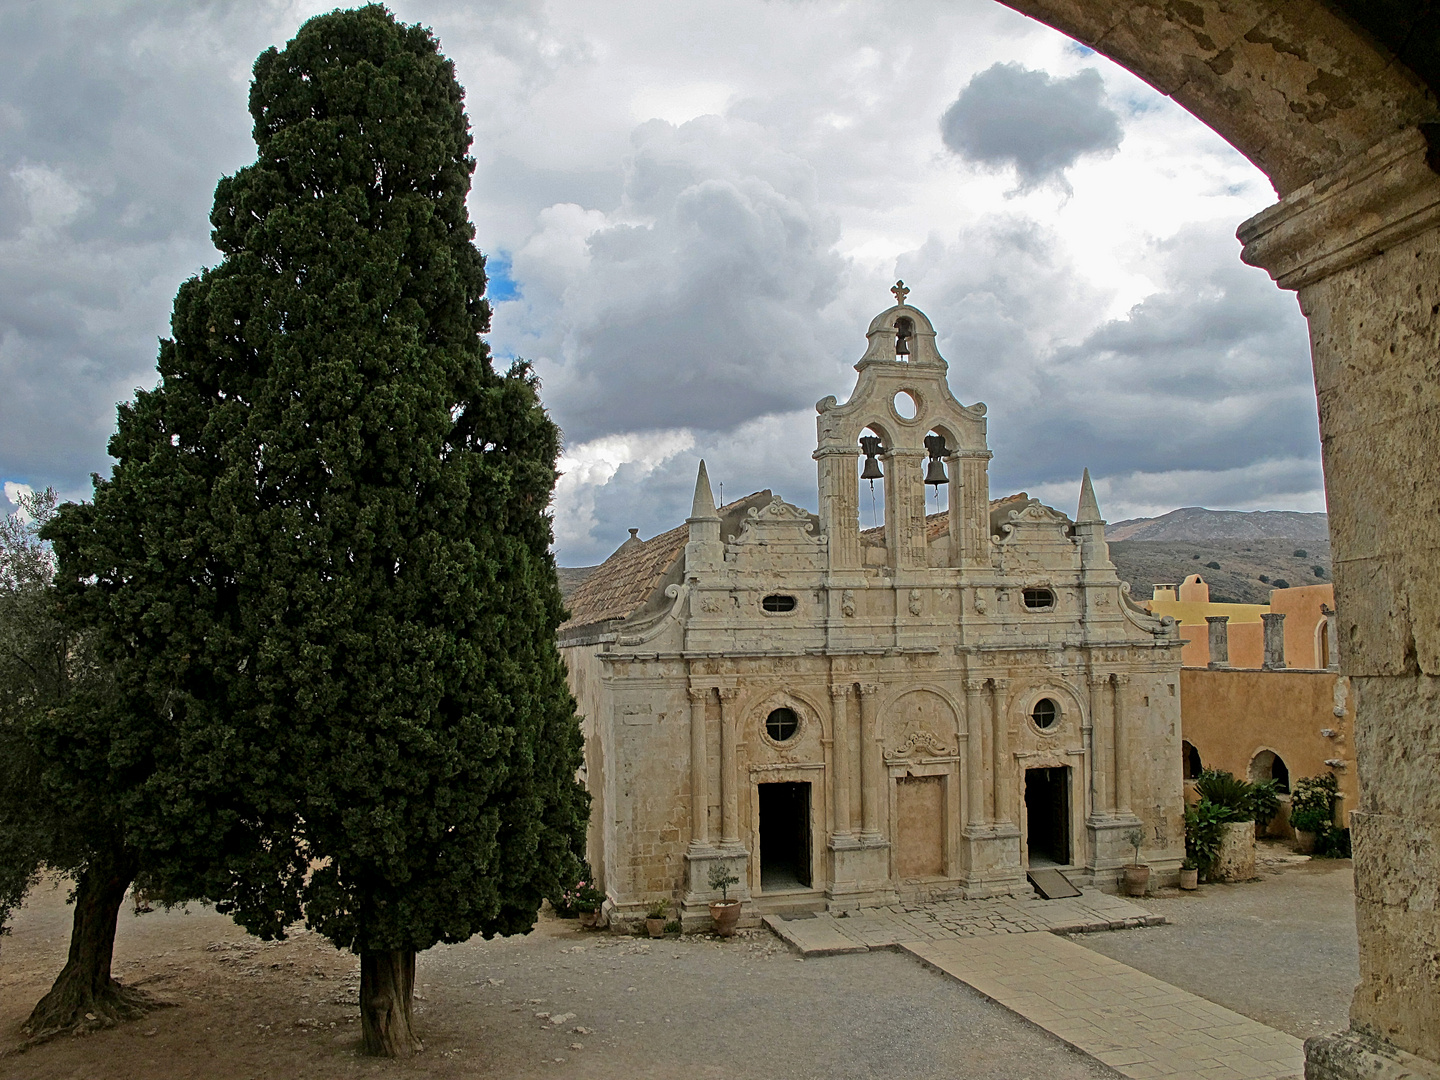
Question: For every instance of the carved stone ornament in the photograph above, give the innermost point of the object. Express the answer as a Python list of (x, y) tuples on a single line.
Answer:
[(1033, 513), (777, 519), (918, 740), (847, 603), (915, 604)]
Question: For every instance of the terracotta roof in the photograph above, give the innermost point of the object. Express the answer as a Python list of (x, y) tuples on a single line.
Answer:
[(622, 583)]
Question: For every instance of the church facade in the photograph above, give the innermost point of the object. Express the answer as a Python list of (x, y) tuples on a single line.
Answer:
[(844, 717)]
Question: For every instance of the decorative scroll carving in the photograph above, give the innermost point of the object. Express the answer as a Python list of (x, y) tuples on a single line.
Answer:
[(917, 740)]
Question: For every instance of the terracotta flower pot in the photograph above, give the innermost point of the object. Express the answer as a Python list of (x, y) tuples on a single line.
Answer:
[(1137, 880), (655, 927), (1304, 842), (1189, 879), (725, 914)]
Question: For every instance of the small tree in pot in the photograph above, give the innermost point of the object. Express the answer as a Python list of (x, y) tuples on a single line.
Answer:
[(1137, 874), (724, 912), (655, 918)]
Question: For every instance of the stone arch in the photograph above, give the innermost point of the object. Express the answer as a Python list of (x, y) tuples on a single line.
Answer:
[(1073, 709), (915, 709), (1267, 764), (1299, 88)]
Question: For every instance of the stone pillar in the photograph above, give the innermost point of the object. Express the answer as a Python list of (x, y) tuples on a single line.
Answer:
[(699, 770), (839, 503), (1123, 766), (1001, 763), (1219, 640), (976, 803), (970, 507), (1331, 659), (869, 763), (840, 756), (905, 508), (1274, 641), (1361, 246), (729, 770), (1102, 758)]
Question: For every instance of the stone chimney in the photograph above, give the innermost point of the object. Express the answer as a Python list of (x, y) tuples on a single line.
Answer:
[(1274, 641), (1219, 640)]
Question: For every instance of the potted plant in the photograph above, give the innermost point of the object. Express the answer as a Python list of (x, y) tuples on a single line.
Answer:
[(725, 913), (1189, 874), (1204, 831), (1312, 810), (1231, 802), (1137, 874), (588, 901), (1264, 804), (655, 918)]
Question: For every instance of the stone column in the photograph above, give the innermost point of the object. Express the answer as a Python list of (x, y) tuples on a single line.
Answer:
[(699, 770), (1121, 777), (869, 763), (970, 507), (1361, 246), (839, 503), (840, 754), (1219, 640), (976, 803), (1331, 659), (729, 769), (1274, 641), (1102, 758), (905, 508), (1001, 763)]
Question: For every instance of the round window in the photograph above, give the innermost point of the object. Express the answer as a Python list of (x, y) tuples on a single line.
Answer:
[(782, 724), (1045, 713)]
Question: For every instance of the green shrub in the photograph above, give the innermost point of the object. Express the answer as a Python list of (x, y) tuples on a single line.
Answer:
[(1204, 827), (1280, 583), (1265, 578), (1213, 565), (658, 910), (1312, 805), (1333, 843), (1264, 801), (1301, 553), (1226, 792), (1319, 571)]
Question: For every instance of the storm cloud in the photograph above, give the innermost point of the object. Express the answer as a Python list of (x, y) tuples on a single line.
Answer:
[(1037, 123)]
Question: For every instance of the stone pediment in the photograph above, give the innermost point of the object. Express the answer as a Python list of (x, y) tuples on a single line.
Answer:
[(1037, 518), (777, 521)]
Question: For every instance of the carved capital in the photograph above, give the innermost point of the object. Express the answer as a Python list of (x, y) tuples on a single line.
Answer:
[(1120, 680), (869, 689), (999, 685), (839, 691), (727, 693), (1097, 681), (699, 695), (974, 686)]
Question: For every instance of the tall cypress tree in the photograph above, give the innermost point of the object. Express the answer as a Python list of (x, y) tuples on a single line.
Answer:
[(322, 559)]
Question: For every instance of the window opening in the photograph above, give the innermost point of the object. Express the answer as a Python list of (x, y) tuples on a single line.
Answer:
[(1045, 713), (906, 407), (1268, 765), (873, 447), (1039, 599), (1190, 765), (778, 602), (782, 724)]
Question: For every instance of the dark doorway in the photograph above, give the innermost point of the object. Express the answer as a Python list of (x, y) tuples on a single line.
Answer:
[(1047, 810), (784, 836)]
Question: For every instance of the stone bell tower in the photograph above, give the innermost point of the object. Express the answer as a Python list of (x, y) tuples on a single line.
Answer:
[(903, 373)]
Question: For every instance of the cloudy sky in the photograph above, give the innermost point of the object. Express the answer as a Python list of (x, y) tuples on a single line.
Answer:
[(692, 212)]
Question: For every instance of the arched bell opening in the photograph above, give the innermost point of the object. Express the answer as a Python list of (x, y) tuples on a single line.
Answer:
[(873, 465), (936, 470)]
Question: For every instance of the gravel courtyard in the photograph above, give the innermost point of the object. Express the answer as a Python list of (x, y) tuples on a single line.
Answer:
[(558, 1003)]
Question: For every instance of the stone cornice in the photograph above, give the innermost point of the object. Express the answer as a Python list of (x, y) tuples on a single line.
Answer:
[(1386, 195)]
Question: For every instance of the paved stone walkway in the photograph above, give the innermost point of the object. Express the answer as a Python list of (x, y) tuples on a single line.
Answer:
[(1138, 1025), (887, 927)]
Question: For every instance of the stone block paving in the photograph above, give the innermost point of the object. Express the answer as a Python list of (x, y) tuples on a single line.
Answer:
[(1009, 950)]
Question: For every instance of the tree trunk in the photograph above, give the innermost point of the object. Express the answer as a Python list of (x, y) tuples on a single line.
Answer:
[(387, 992), (84, 995)]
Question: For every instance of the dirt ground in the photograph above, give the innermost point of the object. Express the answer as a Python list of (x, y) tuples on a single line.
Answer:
[(557, 1003), (560, 1003), (1280, 949)]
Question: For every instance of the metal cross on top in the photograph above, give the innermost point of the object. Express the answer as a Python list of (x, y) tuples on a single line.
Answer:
[(900, 292)]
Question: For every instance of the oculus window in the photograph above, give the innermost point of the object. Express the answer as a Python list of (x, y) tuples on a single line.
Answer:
[(782, 724)]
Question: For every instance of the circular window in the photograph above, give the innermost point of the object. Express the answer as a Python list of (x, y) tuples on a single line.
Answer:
[(906, 407), (1045, 713), (782, 724)]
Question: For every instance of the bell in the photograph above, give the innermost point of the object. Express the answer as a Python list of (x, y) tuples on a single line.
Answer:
[(872, 469), (902, 343), (935, 472)]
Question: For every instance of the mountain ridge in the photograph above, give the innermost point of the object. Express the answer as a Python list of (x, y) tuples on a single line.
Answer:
[(1196, 524)]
